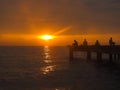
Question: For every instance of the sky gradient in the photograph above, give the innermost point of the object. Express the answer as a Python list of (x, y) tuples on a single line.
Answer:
[(22, 20)]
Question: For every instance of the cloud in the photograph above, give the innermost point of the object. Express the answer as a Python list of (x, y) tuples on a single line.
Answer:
[(85, 16)]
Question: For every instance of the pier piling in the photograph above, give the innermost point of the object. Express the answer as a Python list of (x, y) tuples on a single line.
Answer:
[(114, 52)]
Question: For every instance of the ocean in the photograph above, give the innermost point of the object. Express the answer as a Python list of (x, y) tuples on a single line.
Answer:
[(49, 68)]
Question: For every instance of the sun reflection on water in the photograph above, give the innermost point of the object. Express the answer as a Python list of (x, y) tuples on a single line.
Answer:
[(47, 52), (47, 57), (48, 68)]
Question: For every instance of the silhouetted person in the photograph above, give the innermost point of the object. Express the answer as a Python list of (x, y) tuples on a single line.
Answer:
[(85, 43), (97, 43), (75, 43), (111, 43)]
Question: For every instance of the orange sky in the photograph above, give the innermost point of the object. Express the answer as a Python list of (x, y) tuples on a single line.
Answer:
[(59, 40), (21, 21)]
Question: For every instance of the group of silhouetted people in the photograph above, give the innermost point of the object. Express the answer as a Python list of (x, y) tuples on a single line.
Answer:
[(111, 43), (97, 43)]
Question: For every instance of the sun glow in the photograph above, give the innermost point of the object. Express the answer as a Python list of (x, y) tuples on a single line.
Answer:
[(46, 37)]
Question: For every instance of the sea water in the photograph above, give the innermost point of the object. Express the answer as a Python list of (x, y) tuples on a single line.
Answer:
[(48, 68)]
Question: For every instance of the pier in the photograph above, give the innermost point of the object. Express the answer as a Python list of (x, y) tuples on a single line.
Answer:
[(112, 51)]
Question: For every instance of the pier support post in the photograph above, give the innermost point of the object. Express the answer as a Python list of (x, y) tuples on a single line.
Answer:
[(115, 56), (99, 56), (88, 55), (118, 56), (71, 53), (110, 58)]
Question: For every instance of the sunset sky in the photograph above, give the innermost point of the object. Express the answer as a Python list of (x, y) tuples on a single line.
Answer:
[(22, 21)]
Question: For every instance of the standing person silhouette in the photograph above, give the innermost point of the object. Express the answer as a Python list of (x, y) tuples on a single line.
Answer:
[(75, 43), (85, 43), (111, 43), (97, 43)]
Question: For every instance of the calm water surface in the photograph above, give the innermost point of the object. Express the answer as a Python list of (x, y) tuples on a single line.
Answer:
[(48, 68)]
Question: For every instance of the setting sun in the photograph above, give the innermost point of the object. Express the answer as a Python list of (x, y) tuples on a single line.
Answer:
[(46, 37)]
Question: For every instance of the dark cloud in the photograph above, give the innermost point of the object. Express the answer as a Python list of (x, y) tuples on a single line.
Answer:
[(85, 16)]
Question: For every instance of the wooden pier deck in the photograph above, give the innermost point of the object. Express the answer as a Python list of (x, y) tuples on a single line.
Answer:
[(112, 51)]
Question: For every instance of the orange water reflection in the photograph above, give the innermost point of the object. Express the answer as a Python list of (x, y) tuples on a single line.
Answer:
[(47, 52), (48, 68)]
